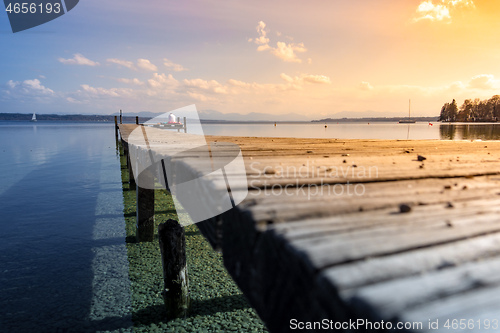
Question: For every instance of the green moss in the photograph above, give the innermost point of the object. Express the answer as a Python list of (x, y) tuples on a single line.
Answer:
[(217, 305)]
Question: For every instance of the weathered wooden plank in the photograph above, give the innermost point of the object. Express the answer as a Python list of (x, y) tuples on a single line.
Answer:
[(400, 265), (425, 226), (297, 204), (478, 306), (419, 290)]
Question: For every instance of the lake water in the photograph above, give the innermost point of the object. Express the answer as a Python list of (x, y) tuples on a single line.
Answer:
[(63, 263), (392, 131)]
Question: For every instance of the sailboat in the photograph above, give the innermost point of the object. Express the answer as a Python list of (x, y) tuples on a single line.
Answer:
[(408, 121), (34, 117)]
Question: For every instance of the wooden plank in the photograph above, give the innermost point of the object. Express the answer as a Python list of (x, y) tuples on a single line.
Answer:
[(426, 226), (478, 305), (303, 203), (400, 265), (416, 291)]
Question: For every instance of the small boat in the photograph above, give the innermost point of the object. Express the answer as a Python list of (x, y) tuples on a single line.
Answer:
[(408, 121), (34, 117)]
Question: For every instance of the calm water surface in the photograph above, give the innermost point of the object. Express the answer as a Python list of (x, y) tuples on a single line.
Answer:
[(63, 265), (390, 131)]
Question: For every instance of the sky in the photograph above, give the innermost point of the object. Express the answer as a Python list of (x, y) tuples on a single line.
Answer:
[(315, 58)]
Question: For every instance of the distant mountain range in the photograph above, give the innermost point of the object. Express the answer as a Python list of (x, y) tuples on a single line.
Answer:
[(214, 115), (219, 116), (209, 116)]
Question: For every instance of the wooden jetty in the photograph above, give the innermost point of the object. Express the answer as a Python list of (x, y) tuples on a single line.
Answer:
[(335, 232)]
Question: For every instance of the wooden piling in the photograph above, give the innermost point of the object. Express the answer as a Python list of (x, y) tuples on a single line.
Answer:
[(137, 120), (185, 125), (173, 253), (145, 195), (120, 116), (131, 179), (116, 127)]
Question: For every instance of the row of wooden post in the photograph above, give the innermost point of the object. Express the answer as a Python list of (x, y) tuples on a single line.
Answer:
[(171, 240), (121, 118)]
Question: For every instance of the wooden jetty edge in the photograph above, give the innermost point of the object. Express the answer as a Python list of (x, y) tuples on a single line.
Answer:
[(373, 232)]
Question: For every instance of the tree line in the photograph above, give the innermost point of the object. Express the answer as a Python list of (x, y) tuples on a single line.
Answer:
[(476, 110)]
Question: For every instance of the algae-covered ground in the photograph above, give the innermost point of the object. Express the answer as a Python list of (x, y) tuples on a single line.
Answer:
[(217, 305)]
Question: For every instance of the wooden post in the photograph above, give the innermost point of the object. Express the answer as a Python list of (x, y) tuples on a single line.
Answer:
[(116, 127), (185, 125), (131, 179), (173, 253), (125, 149), (137, 120), (145, 195), (120, 116)]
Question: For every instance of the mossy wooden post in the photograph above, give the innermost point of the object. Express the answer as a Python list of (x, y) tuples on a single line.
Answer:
[(145, 195), (131, 179), (173, 253), (116, 127)]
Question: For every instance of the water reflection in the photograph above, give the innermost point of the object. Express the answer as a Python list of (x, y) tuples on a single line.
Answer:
[(469, 131)]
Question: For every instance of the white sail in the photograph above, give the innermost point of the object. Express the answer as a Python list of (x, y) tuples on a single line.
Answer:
[(34, 117)]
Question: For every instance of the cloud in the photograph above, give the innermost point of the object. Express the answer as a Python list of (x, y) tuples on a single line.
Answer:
[(262, 39), (134, 81), (284, 51), (483, 81), (113, 92), (73, 101), (27, 92), (124, 63), (238, 83), (28, 87), (483, 85), (199, 97), (365, 86), (143, 64), (440, 11), (303, 79), (211, 85), (78, 59), (173, 66), (287, 52), (162, 81)]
